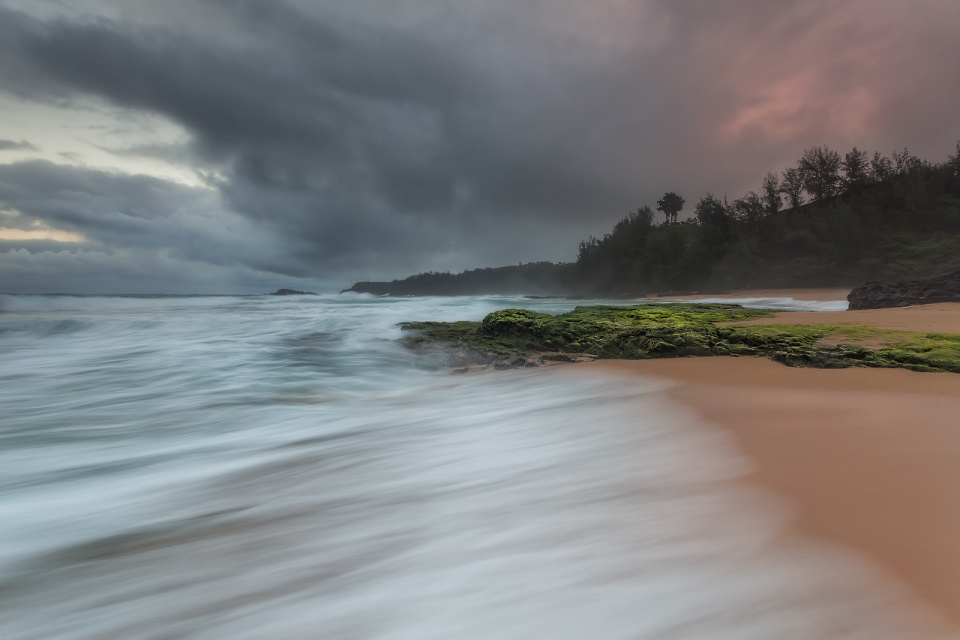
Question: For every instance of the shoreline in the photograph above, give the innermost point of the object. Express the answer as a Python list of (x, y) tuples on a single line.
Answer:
[(868, 457), (821, 294), (941, 317)]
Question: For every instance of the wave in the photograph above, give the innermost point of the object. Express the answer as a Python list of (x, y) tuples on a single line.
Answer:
[(260, 467), (488, 506)]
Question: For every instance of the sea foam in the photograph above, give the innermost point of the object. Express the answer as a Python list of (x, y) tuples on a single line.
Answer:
[(260, 467)]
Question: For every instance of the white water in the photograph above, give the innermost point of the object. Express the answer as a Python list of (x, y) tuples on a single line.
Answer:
[(259, 467)]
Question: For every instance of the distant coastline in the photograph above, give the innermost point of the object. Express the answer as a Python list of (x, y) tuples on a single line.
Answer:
[(864, 219)]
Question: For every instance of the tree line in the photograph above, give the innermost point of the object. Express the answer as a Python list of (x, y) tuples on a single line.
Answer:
[(831, 219)]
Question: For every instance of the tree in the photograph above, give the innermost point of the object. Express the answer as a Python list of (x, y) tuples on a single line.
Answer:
[(792, 187), (771, 193), (715, 221), (750, 208), (643, 216), (953, 170), (856, 169), (711, 211), (880, 167), (821, 172), (670, 204), (589, 251), (904, 162), (953, 162)]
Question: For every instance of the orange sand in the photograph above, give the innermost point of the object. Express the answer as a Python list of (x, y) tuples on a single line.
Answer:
[(796, 294), (870, 456), (927, 318)]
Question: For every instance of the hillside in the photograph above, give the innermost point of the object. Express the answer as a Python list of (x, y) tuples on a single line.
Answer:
[(865, 219)]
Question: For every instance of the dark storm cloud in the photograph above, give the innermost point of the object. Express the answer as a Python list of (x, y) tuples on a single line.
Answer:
[(10, 145), (387, 137), (134, 213), (85, 200), (370, 142)]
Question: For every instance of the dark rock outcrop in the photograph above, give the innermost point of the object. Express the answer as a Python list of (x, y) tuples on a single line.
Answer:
[(880, 295), (291, 292)]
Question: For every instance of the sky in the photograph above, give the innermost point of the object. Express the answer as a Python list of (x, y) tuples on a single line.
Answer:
[(239, 146)]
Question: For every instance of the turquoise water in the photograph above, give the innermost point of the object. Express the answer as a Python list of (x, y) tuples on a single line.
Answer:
[(261, 467)]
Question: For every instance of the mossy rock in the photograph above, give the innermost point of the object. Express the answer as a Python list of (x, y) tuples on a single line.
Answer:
[(515, 322), (511, 336)]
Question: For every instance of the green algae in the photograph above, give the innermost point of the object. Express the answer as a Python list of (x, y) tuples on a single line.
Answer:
[(519, 337), (845, 345)]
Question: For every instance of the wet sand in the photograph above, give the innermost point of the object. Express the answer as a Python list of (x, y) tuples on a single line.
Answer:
[(796, 294), (928, 318), (870, 457)]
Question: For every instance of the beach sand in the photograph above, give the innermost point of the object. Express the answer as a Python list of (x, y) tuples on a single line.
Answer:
[(869, 457), (796, 294), (943, 317)]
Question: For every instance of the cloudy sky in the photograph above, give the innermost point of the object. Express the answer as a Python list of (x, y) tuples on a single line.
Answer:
[(243, 145)]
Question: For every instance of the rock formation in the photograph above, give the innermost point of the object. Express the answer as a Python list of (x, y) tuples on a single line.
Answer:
[(291, 292), (879, 295)]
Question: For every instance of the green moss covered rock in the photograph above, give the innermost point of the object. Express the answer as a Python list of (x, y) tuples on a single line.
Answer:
[(519, 337)]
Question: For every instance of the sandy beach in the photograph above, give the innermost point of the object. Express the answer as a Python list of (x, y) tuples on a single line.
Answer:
[(929, 318), (796, 294), (870, 458)]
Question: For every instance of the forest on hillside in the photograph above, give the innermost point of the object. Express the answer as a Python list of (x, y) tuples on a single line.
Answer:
[(831, 220)]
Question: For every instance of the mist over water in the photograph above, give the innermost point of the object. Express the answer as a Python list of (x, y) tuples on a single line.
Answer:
[(253, 467)]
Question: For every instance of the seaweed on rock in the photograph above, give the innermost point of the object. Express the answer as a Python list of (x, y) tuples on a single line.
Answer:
[(518, 337)]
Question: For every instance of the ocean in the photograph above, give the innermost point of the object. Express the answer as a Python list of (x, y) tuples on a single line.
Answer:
[(279, 467)]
